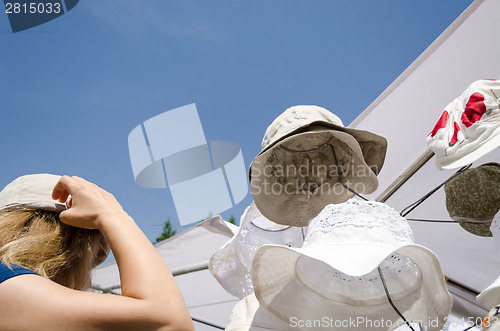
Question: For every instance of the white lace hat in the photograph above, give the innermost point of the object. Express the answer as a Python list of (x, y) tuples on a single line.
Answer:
[(336, 272), (231, 265), (308, 158), (469, 127)]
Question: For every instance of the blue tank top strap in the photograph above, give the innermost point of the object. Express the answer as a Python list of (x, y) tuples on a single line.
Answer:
[(14, 270)]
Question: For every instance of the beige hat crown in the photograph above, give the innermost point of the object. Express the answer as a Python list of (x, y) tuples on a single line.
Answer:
[(295, 118)]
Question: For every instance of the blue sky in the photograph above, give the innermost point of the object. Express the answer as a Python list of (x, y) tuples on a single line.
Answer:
[(71, 90)]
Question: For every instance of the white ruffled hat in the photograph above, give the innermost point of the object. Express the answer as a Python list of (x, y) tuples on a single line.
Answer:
[(469, 127), (335, 273), (231, 265)]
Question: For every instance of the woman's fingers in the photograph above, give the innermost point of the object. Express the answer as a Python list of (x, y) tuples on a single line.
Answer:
[(62, 189), (89, 204)]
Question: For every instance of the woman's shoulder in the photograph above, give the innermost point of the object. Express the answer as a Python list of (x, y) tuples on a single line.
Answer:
[(12, 270)]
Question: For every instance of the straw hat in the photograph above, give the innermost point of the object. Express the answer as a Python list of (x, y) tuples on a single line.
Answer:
[(35, 192), (473, 198), (335, 273), (304, 152), (469, 127), (231, 265)]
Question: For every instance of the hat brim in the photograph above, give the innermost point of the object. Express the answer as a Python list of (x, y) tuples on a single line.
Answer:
[(373, 146), (32, 192), (249, 315), (490, 296), (281, 289), (482, 150), (284, 201), (478, 229)]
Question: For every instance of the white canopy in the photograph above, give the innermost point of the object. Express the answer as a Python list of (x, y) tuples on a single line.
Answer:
[(407, 111)]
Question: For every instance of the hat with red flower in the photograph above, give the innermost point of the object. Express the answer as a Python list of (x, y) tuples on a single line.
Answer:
[(469, 126)]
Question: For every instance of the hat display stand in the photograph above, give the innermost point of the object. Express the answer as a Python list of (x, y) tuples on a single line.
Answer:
[(358, 266)]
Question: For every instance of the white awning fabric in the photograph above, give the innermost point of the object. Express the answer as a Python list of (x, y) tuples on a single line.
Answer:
[(406, 112)]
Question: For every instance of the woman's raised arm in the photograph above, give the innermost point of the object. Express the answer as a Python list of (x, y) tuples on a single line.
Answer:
[(150, 297)]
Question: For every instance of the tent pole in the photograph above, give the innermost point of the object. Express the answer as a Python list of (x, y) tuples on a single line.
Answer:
[(190, 268), (403, 178), (176, 272), (217, 326)]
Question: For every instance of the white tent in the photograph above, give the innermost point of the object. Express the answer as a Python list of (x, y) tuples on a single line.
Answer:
[(404, 113)]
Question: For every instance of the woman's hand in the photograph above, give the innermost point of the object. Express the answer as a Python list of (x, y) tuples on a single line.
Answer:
[(90, 205)]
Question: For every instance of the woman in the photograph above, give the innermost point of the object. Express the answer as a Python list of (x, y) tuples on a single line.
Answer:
[(91, 219)]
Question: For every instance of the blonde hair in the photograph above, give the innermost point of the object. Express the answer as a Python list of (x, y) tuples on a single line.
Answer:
[(38, 241)]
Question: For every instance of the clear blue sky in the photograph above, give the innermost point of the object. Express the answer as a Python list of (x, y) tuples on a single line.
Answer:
[(71, 90)]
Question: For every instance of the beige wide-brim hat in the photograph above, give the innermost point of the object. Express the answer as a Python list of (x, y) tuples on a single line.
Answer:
[(335, 273), (35, 192), (297, 172), (231, 265), (473, 198)]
